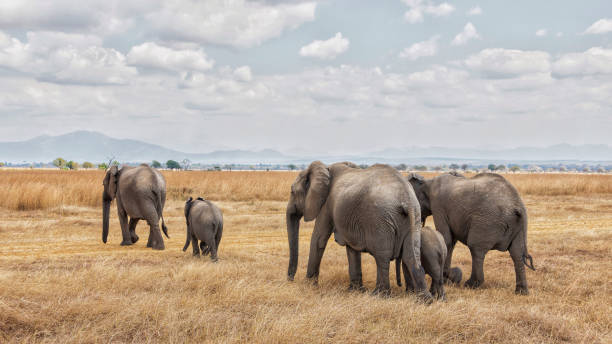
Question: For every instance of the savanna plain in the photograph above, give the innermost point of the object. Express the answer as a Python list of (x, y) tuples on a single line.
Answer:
[(60, 283)]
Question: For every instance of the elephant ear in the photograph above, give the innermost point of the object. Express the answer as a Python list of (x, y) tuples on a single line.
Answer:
[(317, 186), (417, 177)]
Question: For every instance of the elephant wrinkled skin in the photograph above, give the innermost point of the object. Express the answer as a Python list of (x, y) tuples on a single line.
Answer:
[(370, 210), (204, 223), (141, 194), (484, 212)]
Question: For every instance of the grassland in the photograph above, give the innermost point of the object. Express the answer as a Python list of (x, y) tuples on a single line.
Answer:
[(59, 283)]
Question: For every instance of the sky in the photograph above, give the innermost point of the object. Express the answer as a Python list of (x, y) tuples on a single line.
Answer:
[(309, 77)]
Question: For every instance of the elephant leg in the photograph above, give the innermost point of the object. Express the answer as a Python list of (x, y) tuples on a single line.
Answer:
[(410, 286), (133, 223), (354, 261), (195, 244), (516, 253), (318, 241), (437, 282), (218, 236), (451, 275), (383, 287), (155, 238), (209, 238), (477, 277), (125, 232)]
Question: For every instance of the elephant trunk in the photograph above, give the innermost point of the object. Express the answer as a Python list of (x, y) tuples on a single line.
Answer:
[(293, 231), (106, 203)]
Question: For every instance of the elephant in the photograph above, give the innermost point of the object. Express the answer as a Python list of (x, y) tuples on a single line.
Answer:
[(370, 210), (204, 223), (141, 195), (484, 212), (433, 257)]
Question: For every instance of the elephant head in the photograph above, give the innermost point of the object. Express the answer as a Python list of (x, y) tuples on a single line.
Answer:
[(108, 195), (421, 190), (308, 194)]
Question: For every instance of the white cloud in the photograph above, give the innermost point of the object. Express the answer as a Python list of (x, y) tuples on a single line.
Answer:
[(474, 11), (599, 27), (469, 32), (151, 55), (418, 9), (421, 49), (504, 63), (243, 73), (234, 23), (326, 50), (594, 61), (51, 57), (541, 33), (237, 23)]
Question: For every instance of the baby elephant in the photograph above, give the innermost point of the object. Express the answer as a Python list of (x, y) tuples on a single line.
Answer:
[(433, 256), (204, 223)]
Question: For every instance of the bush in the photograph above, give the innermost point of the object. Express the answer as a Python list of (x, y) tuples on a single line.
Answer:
[(59, 163), (173, 165), (87, 164), (155, 164)]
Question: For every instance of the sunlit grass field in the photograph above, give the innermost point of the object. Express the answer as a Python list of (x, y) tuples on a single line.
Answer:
[(60, 283)]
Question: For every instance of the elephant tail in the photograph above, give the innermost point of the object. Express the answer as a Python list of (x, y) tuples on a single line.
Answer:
[(398, 277), (188, 205), (526, 256), (160, 210)]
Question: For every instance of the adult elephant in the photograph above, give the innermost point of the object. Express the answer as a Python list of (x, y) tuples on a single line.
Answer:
[(141, 195), (369, 210), (484, 212)]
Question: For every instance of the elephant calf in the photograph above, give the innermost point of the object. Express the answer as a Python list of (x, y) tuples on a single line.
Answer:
[(204, 223), (433, 256)]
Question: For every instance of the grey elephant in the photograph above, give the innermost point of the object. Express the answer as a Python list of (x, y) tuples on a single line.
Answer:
[(141, 194), (204, 223), (370, 210), (484, 212), (433, 257)]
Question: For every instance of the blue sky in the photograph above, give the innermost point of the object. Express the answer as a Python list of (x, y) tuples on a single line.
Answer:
[(309, 76)]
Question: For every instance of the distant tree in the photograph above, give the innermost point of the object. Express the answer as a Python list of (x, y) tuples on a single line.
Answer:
[(491, 167), (155, 164), (515, 168), (464, 167), (87, 164), (59, 162), (291, 167), (562, 169), (437, 168), (217, 168), (500, 167), (173, 165), (363, 166), (1, 164), (73, 165), (453, 166), (601, 170), (419, 168), (227, 167), (401, 167), (102, 166), (186, 163)]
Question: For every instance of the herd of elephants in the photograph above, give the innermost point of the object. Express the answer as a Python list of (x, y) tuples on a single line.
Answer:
[(376, 210)]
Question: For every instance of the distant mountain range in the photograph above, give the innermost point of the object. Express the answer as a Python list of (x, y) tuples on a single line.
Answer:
[(96, 147)]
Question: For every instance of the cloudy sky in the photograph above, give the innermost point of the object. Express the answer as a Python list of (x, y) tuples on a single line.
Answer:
[(310, 77)]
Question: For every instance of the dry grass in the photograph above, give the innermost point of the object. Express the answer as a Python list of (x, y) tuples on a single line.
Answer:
[(49, 189), (59, 283)]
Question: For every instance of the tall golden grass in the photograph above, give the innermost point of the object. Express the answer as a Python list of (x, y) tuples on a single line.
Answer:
[(60, 284), (46, 189)]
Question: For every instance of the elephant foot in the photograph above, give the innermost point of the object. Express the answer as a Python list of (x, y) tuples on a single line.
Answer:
[(454, 276), (473, 284), (135, 239), (424, 297), (357, 287), (214, 260), (159, 247), (290, 278), (521, 290), (314, 280), (126, 243), (381, 292), (196, 255)]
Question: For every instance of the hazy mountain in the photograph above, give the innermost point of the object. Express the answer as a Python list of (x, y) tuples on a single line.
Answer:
[(96, 147)]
